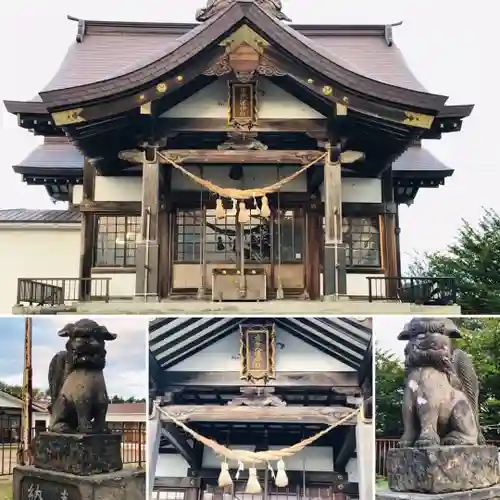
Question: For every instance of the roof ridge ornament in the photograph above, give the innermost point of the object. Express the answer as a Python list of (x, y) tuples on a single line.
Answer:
[(213, 7)]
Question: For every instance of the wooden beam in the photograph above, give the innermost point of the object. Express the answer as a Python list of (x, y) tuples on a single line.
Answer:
[(312, 125), (108, 207), (179, 441), (197, 156), (175, 483), (88, 231), (341, 382), (346, 451), (300, 414)]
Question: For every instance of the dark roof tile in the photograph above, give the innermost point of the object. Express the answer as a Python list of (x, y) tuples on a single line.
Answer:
[(419, 159), (23, 215)]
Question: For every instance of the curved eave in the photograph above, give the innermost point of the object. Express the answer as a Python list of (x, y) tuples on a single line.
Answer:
[(208, 34)]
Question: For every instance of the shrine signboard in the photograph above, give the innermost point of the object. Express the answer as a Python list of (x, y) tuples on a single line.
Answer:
[(257, 352)]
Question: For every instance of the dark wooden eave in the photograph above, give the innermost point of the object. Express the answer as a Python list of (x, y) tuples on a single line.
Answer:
[(191, 45)]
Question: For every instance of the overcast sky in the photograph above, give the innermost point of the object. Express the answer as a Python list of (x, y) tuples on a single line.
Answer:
[(125, 370), (446, 44), (386, 330)]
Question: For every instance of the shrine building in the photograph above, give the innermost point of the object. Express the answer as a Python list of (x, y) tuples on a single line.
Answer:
[(296, 391), (241, 158)]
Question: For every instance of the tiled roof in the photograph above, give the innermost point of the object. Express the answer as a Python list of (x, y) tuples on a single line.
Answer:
[(127, 408), (106, 53), (23, 215), (418, 159)]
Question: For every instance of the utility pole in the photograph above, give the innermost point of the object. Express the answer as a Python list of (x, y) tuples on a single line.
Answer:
[(25, 451)]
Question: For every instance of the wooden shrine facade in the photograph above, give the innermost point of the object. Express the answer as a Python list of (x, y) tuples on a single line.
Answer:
[(274, 400), (146, 150)]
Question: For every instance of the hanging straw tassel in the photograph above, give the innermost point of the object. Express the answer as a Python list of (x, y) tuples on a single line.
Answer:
[(244, 215), (253, 485), (281, 480), (224, 476), (265, 210), (220, 213)]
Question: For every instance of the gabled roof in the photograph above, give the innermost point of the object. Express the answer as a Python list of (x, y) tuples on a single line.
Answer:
[(172, 54), (172, 340)]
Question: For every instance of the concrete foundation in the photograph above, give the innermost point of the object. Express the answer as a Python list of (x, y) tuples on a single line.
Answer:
[(492, 493)]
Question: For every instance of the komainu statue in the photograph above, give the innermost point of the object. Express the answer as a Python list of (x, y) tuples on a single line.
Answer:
[(440, 405), (79, 400), (213, 7)]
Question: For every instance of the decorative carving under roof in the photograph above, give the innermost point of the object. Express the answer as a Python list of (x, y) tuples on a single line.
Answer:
[(273, 7)]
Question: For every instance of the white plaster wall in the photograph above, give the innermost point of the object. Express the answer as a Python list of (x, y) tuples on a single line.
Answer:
[(359, 190), (253, 176), (314, 458), (352, 470), (292, 355), (36, 251), (212, 102), (171, 466), (357, 284), (122, 285), (112, 189)]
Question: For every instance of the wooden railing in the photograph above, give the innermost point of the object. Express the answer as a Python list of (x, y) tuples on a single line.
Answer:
[(59, 291), (422, 291), (383, 445)]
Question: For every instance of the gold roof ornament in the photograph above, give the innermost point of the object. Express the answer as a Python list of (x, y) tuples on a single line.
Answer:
[(213, 7)]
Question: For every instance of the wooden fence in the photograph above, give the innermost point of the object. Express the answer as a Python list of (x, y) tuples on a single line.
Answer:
[(383, 445)]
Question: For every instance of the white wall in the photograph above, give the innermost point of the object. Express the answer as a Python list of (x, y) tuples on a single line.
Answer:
[(357, 284), (112, 189), (212, 102), (292, 354), (171, 466), (359, 190), (36, 251)]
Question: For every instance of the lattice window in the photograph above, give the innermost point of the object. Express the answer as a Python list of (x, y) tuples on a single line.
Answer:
[(116, 240), (291, 229), (361, 237), (220, 239), (167, 495)]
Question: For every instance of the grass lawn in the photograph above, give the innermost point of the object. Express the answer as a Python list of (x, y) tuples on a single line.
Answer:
[(380, 484), (6, 488)]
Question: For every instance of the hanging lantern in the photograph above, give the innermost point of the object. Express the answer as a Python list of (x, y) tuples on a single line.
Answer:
[(220, 213), (265, 211), (281, 480), (224, 476), (244, 215), (253, 485)]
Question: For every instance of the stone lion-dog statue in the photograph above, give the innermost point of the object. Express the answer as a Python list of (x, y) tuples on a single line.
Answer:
[(440, 403), (79, 399)]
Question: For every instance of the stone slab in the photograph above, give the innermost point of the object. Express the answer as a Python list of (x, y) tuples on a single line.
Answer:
[(32, 483), (442, 469), (492, 493), (80, 454)]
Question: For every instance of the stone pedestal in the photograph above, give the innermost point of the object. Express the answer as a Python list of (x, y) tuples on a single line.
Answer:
[(442, 469), (80, 454), (78, 467), (30, 483), (492, 493)]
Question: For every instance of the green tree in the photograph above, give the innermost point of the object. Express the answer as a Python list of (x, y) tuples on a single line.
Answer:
[(17, 390), (389, 377), (474, 261)]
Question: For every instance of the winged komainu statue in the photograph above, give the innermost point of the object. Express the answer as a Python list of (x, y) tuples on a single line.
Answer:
[(440, 405), (79, 399), (213, 7)]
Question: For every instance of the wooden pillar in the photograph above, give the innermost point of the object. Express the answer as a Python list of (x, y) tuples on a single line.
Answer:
[(314, 232), (388, 235), (365, 437), (165, 237), (334, 271), (88, 231), (147, 254)]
